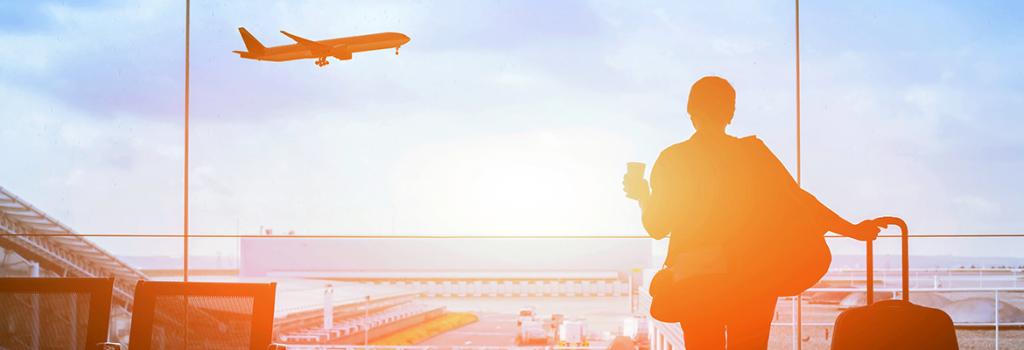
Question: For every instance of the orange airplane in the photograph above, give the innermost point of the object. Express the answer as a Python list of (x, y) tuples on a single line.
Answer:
[(340, 48)]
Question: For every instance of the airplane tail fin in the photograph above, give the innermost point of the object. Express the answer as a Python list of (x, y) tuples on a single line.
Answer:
[(251, 44)]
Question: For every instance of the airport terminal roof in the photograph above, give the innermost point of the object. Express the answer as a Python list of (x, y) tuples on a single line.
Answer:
[(298, 294), (55, 246), (466, 257)]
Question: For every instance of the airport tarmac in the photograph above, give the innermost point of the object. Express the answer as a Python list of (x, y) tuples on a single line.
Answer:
[(497, 324), (492, 329), (604, 315)]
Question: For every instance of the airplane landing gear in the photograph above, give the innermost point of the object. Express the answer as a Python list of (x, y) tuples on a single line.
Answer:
[(322, 61), (396, 50)]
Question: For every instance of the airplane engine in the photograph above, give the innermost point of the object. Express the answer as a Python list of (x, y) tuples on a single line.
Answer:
[(341, 54)]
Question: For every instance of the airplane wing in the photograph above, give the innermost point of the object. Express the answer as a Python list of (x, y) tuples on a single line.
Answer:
[(309, 44)]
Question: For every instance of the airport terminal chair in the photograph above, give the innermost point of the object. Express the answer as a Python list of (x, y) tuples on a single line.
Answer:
[(54, 313), (202, 315)]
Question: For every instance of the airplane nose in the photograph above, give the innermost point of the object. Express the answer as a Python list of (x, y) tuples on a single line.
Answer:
[(404, 38)]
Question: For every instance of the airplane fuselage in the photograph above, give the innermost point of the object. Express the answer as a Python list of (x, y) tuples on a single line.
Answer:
[(346, 45)]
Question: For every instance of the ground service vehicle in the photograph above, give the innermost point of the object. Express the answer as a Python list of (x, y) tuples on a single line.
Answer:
[(573, 333), (526, 313), (531, 332)]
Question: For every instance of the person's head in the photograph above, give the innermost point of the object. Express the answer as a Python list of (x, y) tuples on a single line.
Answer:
[(711, 104)]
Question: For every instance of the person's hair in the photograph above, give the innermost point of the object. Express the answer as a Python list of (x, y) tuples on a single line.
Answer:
[(712, 101)]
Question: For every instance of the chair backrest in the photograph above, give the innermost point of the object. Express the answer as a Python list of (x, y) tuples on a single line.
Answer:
[(54, 313), (202, 315)]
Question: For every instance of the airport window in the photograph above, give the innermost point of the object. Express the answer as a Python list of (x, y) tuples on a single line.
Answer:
[(457, 179)]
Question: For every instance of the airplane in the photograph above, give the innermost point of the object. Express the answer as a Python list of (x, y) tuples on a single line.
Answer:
[(340, 48)]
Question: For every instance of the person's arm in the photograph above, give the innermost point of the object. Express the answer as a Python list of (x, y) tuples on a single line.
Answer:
[(658, 213), (865, 230), (652, 203), (653, 216)]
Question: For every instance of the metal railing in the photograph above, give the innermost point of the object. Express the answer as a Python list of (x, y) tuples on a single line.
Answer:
[(669, 336), (446, 347), (662, 336)]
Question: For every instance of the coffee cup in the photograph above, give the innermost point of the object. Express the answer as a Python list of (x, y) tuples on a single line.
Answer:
[(635, 170)]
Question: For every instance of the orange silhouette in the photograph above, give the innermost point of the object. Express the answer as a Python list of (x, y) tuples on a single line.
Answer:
[(742, 230), (340, 48)]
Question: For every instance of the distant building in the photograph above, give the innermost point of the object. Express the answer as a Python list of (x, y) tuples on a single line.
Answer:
[(458, 266)]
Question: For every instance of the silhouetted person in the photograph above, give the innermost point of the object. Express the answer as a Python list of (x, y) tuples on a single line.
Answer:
[(723, 199)]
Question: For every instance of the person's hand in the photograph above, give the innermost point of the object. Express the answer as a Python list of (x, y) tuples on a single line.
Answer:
[(866, 230), (636, 187)]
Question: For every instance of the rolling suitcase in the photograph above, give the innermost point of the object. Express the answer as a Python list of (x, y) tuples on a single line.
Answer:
[(893, 324)]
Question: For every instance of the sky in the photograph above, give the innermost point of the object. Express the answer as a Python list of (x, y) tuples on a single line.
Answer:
[(500, 117)]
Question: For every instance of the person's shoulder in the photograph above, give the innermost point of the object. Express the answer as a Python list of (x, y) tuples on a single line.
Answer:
[(750, 139), (676, 150), (677, 147), (753, 141), (755, 147)]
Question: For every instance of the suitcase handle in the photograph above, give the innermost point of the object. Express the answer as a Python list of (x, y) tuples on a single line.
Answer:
[(884, 222)]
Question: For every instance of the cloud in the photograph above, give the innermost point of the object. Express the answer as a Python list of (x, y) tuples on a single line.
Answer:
[(34, 16), (107, 59), (22, 16), (498, 110), (912, 124), (118, 175)]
